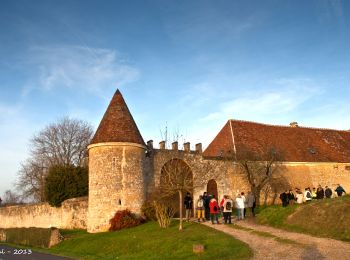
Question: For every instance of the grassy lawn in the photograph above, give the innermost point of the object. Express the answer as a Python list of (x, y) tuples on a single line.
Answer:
[(324, 218), (148, 241)]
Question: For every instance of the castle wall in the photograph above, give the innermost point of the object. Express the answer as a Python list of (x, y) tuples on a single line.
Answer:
[(228, 179), (291, 175), (231, 180), (116, 182), (71, 215)]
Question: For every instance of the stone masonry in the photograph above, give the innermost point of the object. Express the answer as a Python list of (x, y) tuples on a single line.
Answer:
[(124, 171)]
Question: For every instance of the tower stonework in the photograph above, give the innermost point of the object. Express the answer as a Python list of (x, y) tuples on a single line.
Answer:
[(116, 166)]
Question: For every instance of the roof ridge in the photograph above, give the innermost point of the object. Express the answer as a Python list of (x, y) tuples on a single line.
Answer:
[(286, 126)]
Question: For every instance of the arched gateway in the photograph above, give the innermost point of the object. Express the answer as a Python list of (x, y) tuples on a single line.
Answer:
[(176, 176)]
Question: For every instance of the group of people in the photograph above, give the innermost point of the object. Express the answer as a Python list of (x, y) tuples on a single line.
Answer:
[(299, 197), (209, 209)]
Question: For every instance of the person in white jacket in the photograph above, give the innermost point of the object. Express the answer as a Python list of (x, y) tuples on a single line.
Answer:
[(227, 205), (307, 195), (240, 207)]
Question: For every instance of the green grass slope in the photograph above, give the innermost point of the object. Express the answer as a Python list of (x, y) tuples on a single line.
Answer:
[(148, 241), (325, 218)]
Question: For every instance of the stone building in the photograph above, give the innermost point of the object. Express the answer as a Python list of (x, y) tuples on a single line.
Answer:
[(124, 170)]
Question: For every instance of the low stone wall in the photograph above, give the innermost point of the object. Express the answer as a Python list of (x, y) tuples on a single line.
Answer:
[(72, 214)]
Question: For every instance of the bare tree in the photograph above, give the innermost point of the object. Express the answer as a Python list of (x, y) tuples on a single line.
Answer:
[(176, 178), (260, 168), (31, 179), (10, 198), (61, 143)]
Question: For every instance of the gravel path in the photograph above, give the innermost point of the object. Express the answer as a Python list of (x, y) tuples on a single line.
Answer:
[(271, 243)]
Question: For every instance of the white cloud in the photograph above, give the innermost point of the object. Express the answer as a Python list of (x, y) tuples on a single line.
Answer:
[(285, 96), (333, 115), (91, 69)]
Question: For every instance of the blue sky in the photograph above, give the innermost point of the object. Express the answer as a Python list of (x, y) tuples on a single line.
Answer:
[(190, 65)]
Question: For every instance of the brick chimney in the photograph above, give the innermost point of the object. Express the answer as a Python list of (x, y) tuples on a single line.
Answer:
[(294, 124), (150, 144)]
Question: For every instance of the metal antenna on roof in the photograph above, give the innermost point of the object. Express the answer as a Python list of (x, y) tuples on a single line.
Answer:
[(166, 133)]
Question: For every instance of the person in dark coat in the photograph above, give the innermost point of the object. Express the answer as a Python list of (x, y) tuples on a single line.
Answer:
[(188, 206), (319, 193), (328, 192), (206, 205), (339, 190), (284, 198), (291, 197)]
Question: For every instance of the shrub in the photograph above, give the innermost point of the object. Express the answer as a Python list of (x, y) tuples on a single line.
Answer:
[(148, 211), (65, 182), (164, 213), (124, 219)]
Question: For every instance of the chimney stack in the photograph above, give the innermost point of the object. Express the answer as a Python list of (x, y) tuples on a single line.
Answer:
[(162, 145), (294, 124), (150, 144), (187, 147)]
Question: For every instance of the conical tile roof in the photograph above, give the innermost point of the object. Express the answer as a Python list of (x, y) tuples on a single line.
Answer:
[(117, 124)]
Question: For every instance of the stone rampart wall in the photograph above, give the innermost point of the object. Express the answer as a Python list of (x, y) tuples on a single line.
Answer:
[(72, 214), (231, 180)]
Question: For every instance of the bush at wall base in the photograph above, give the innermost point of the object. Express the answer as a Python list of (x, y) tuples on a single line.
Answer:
[(124, 219)]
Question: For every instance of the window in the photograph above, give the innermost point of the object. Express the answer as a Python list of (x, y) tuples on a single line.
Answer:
[(114, 163)]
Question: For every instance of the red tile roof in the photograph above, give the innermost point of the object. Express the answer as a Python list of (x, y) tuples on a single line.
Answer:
[(117, 124), (296, 144)]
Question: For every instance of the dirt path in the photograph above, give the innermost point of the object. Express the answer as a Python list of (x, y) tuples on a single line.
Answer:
[(272, 243)]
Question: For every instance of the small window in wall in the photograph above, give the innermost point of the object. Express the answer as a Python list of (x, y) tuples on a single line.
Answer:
[(120, 202), (347, 167), (114, 163)]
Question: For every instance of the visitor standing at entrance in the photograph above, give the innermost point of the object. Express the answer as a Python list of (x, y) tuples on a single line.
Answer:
[(206, 200), (227, 208), (214, 210), (200, 208), (188, 206)]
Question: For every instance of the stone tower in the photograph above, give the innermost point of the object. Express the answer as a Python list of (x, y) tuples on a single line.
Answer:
[(116, 166)]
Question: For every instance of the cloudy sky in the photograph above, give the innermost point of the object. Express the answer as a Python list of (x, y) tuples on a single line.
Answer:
[(187, 65)]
